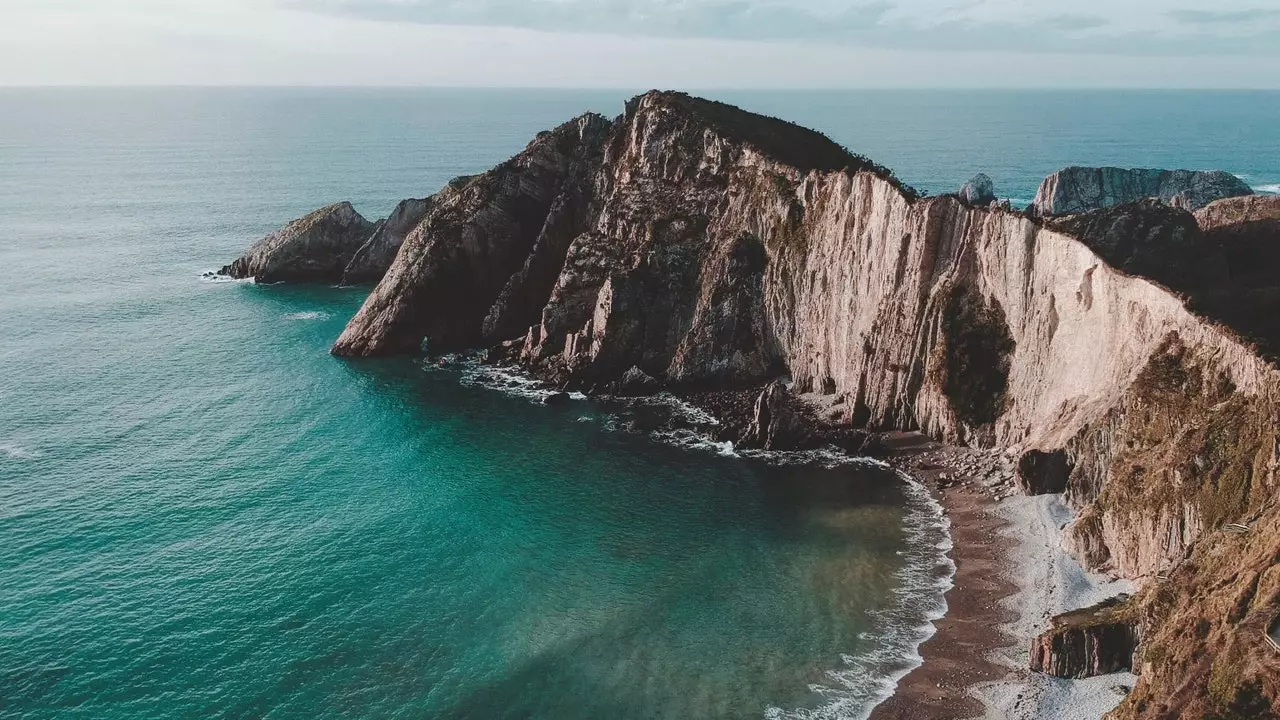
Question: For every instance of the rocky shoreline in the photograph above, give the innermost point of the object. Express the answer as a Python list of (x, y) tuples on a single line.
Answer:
[(1120, 358)]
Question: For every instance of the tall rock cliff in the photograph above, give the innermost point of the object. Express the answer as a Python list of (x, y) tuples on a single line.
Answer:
[(709, 248), (1081, 189)]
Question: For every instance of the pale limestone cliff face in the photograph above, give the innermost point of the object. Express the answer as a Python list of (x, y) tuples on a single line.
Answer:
[(315, 248), (1081, 189), (710, 248)]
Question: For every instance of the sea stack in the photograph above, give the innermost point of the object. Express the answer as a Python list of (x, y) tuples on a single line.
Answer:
[(1081, 189), (314, 248)]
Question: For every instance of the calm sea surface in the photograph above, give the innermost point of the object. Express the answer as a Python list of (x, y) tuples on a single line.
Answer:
[(203, 514)]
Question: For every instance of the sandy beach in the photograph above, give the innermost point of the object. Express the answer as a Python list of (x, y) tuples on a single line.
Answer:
[(1012, 575)]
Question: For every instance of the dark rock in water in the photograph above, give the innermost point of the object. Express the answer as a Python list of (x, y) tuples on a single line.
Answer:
[(636, 382), (979, 191), (558, 398), (1085, 643), (1081, 189), (315, 248), (504, 353), (373, 258), (776, 425), (1044, 473)]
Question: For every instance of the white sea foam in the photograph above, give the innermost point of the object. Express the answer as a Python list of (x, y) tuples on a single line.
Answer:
[(891, 648), (312, 315), (213, 276), (1268, 189), (868, 679), (17, 452)]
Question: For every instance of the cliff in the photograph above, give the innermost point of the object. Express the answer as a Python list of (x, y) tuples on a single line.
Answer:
[(1081, 189), (711, 249), (371, 260)]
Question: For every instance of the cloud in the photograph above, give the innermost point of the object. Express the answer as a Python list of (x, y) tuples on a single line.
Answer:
[(1230, 17), (1116, 27), (723, 19)]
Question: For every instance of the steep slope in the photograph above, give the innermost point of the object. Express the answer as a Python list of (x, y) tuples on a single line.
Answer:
[(710, 248)]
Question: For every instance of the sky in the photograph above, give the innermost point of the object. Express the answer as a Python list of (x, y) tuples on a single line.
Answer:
[(643, 43)]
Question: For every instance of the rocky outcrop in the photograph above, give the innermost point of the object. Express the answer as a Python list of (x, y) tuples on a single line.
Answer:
[(315, 248), (1081, 189), (776, 424), (712, 249), (1085, 643), (373, 258), (1239, 210), (979, 190)]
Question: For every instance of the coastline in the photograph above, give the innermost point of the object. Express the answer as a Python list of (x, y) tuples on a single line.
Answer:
[(1011, 576)]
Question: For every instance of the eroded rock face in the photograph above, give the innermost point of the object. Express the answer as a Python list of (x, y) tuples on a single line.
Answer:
[(373, 258), (1085, 643), (314, 248), (456, 263), (1081, 189), (979, 190)]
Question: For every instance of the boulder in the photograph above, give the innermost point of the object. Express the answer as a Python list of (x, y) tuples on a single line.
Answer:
[(1081, 189), (636, 382), (775, 424), (315, 248), (978, 191)]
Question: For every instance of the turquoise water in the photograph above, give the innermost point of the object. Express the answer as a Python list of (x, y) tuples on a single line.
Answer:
[(203, 514)]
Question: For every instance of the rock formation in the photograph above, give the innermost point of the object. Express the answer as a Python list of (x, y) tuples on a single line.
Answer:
[(775, 423), (712, 249), (1081, 189), (1238, 210), (314, 248), (373, 258), (1094, 641), (979, 190)]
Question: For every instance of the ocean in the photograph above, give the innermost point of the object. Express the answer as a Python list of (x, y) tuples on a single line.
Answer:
[(203, 514)]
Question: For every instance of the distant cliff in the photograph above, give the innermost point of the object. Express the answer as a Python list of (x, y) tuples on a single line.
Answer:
[(701, 247), (1081, 189)]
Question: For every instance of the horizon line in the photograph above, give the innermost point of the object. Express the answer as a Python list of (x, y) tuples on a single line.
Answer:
[(633, 88)]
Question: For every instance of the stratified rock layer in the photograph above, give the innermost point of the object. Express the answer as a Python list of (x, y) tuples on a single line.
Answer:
[(708, 248), (314, 248), (1081, 189)]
